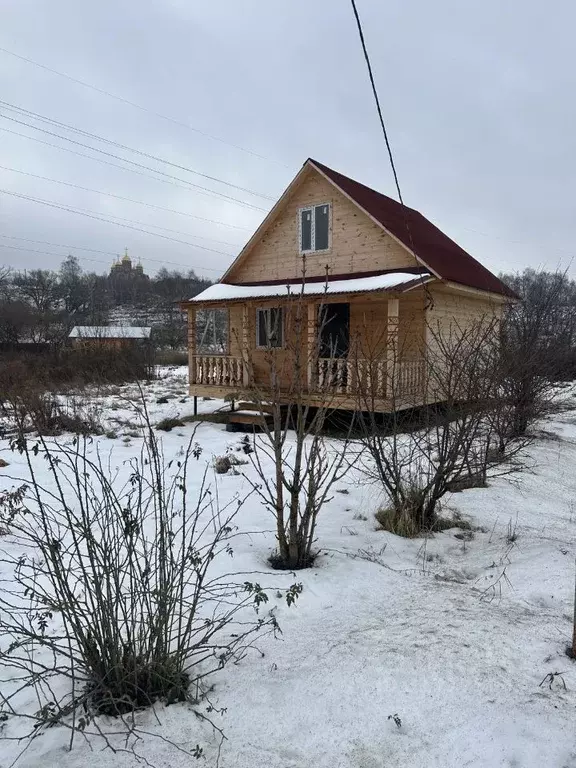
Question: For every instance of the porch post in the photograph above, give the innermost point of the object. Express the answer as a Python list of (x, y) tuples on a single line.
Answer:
[(312, 345), (245, 341), (392, 346), (192, 344)]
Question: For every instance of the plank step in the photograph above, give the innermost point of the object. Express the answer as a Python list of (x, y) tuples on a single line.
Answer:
[(247, 406), (246, 417)]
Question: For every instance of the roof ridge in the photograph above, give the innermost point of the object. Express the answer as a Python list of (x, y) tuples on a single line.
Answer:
[(429, 244)]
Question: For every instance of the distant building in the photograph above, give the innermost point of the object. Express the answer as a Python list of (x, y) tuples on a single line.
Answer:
[(109, 335), (128, 281)]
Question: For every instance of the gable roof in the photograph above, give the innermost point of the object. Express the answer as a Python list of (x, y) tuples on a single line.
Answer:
[(430, 245)]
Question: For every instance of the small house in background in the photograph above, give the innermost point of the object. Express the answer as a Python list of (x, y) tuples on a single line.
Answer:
[(118, 336), (376, 279)]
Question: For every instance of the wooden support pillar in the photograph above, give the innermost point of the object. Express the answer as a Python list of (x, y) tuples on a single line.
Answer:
[(392, 346), (192, 344), (312, 346), (245, 340)]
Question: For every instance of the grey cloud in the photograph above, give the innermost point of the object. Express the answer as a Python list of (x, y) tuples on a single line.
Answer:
[(477, 98)]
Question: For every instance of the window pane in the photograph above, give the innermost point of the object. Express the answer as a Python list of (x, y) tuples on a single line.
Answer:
[(306, 230), (212, 331), (261, 334), (321, 216), (275, 329)]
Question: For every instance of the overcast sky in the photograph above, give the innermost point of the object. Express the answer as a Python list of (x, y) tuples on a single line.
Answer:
[(478, 96)]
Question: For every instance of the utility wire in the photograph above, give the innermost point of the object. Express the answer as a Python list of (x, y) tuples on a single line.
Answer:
[(138, 106), (109, 221), (148, 224), (197, 187), (429, 299), (102, 261), (105, 162), (61, 245), (119, 197), (376, 99), (50, 121)]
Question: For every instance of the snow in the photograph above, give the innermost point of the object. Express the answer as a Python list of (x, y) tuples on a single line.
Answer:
[(109, 332), (423, 629), (223, 291)]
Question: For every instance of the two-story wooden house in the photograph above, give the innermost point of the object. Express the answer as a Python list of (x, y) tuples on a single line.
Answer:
[(375, 277)]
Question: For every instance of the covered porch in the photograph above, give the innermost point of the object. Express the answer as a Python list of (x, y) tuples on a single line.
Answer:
[(361, 349)]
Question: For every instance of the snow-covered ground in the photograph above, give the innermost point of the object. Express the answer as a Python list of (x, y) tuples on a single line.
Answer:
[(453, 636)]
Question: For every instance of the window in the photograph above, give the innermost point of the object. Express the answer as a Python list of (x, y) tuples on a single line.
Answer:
[(315, 228), (212, 331), (269, 327)]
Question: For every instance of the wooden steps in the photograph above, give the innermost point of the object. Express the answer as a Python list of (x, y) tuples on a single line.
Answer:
[(249, 415)]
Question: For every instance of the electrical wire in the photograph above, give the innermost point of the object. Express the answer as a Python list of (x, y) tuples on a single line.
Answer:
[(125, 199), (50, 121), (376, 99), (99, 160), (389, 148), (138, 106), (102, 261), (198, 188), (52, 204)]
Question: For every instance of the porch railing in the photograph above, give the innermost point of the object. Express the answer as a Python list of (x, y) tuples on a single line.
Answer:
[(339, 375), (217, 370), (368, 378)]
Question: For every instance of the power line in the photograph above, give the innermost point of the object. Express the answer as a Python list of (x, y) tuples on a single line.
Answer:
[(119, 197), (78, 209), (98, 261), (139, 106), (104, 162), (197, 187), (148, 224), (43, 118), (60, 245), (109, 221), (377, 100)]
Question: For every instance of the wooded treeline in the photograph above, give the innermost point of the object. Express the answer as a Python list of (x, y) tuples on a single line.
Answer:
[(41, 305)]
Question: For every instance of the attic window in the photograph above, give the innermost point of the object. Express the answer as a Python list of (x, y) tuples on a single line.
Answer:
[(314, 227)]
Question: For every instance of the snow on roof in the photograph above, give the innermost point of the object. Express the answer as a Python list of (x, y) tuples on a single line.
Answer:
[(389, 281), (109, 332)]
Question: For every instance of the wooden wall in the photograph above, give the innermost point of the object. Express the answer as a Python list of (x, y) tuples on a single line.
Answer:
[(368, 331), (455, 311), (357, 244)]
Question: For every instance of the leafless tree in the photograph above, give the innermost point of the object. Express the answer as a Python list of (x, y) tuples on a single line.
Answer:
[(296, 467), (441, 435), (538, 342)]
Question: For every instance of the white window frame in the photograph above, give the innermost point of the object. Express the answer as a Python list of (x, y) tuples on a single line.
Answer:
[(313, 217), (259, 345)]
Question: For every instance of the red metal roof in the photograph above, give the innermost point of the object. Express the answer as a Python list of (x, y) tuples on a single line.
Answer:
[(436, 250)]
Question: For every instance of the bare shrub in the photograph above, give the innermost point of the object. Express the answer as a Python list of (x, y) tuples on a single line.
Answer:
[(168, 424), (222, 464), (119, 593), (451, 444), (296, 468)]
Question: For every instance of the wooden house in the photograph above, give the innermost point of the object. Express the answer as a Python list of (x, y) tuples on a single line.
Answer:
[(374, 278), (111, 336)]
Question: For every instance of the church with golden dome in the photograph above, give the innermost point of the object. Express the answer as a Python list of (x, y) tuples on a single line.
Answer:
[(127, 281), (123, 266)]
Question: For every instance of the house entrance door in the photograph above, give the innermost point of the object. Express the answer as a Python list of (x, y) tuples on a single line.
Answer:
[(334, 324)]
